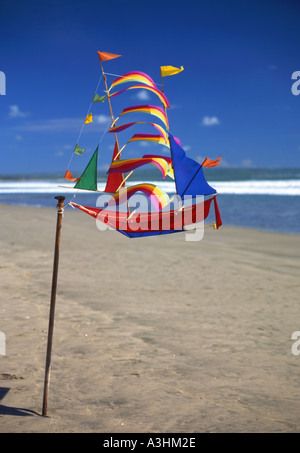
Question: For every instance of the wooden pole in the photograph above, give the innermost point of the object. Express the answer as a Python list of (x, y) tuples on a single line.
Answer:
[(52, 302)]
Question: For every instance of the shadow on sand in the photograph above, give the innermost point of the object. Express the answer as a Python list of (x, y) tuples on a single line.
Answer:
[(8, 410)]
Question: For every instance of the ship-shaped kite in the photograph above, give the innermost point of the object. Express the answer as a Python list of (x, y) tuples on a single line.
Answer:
[(187, 209)]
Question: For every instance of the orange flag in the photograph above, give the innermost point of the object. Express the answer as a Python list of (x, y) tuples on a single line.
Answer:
[(103, 56), (69, 177), (211, 163)]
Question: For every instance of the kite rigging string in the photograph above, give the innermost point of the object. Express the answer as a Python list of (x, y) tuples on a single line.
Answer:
[(108, 125), (119, 75), (89, 109)]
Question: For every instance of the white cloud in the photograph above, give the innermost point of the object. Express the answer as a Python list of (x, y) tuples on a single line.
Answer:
[(101, 119), (224, 164), (144, 144), (247, 163), (53, 125), (104, 167), (63, 150), (15, 112), (210, 121), (143, 95), (19, 138), (199, 159)]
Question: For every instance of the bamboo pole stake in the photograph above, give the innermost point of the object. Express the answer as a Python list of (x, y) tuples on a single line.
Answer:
[(52, 302)]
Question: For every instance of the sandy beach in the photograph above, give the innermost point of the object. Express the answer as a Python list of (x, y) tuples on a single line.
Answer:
[(151, 335)]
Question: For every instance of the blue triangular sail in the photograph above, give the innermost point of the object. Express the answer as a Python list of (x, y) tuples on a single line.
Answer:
[(189, 176)]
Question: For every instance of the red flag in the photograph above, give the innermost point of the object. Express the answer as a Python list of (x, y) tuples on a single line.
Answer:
[(211, 163), (114, 180), (103, 56), (69, 177), (217, 214)]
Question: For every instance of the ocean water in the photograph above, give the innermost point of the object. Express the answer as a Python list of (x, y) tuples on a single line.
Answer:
[(263, 199)]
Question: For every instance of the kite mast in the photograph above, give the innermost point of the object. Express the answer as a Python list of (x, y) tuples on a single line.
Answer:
[(109, 103), (112, 120), (167, 71), (163, 91)]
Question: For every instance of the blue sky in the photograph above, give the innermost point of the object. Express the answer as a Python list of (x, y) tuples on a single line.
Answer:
[(233, 98)]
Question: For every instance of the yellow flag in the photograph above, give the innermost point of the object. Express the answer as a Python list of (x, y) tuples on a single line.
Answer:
[(89, 119), (170, 70)]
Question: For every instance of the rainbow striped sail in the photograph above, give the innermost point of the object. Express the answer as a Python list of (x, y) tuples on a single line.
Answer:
[(154, 90), (136, 77), (123, 127), (157, 196), (149, 109), (155, 138), (127, 165)]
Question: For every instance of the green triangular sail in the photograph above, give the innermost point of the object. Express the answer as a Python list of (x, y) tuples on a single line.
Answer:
[(98, 98), (88, 179)]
